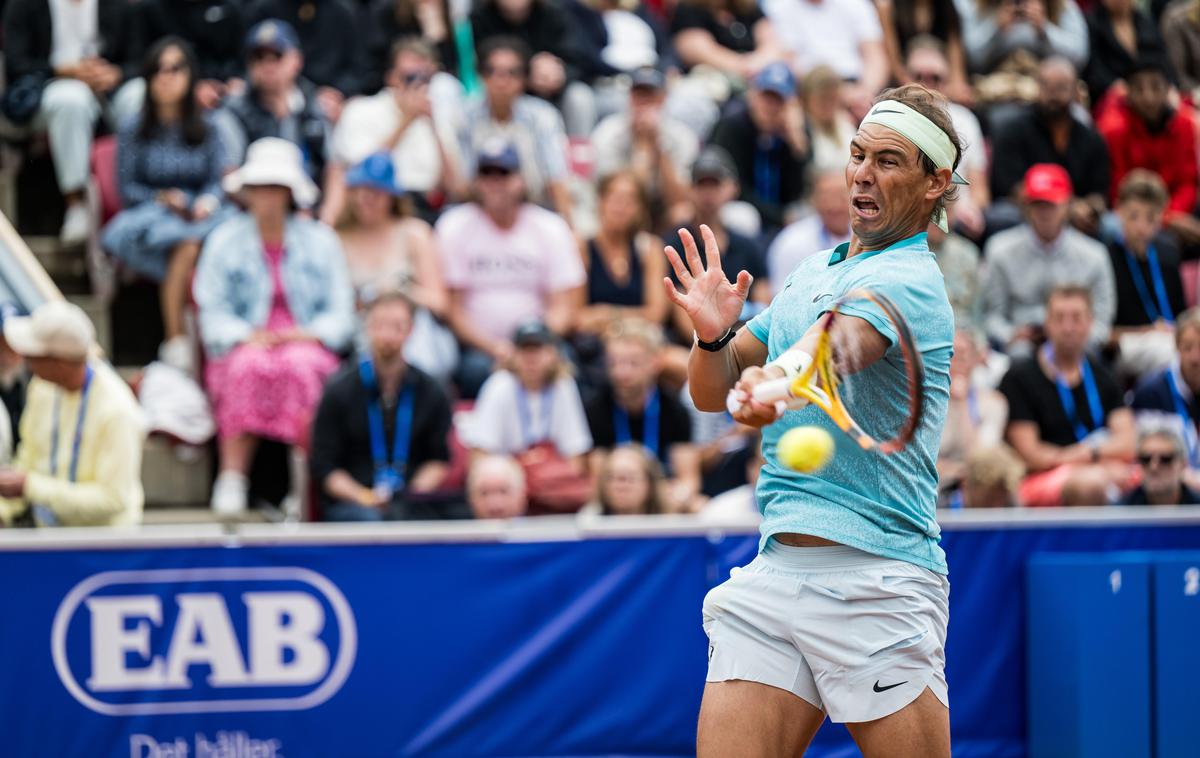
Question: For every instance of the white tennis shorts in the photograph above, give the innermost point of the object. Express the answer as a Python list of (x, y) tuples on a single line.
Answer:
[(854, 634)]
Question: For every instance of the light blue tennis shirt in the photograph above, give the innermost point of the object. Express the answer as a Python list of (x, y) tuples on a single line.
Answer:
[(882, 504)]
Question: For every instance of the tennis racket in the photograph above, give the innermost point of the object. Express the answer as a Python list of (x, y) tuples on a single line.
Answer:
[(819, 383)]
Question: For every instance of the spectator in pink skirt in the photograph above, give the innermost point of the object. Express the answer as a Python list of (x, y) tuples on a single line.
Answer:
[(276, 306)]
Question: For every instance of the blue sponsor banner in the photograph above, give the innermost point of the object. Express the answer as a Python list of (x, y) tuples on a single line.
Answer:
[(559, 648)]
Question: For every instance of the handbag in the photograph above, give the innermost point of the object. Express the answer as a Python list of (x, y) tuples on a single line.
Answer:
[(553, 483), (23, 97)]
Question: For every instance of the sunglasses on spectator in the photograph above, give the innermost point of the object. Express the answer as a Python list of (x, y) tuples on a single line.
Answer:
[(929, 77), (1149, 459), (494, 171), (264, 54), (511, 71), (177, 68), (416, 77)]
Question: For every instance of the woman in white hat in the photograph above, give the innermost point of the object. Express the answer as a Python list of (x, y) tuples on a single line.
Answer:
[(276, 306)]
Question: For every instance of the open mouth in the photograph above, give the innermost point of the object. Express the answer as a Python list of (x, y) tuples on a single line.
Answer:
[(865, 207)]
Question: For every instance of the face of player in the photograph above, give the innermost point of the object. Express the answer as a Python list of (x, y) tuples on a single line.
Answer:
[(1148, 95), (534, 365), (1140, 221), (388, 326), (497, 493), (626, 485), (1068, 322), (1188, 345), (891, 196), (632, 368), (1162, 466)]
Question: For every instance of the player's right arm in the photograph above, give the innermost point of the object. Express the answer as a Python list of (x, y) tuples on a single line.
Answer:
[(713, 305)]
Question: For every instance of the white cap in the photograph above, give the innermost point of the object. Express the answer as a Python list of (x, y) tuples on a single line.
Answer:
[(275, 162), (57, 329)]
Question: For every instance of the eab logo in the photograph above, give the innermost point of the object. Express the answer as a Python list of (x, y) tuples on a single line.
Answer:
[(204, 640)]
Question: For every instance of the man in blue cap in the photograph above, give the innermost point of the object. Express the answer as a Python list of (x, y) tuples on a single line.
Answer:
[(278, 102), (767, 143)]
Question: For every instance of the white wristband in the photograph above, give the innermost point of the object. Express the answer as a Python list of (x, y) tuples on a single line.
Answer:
[(793, 362)]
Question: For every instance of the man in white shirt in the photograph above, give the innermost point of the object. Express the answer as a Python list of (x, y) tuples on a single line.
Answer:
[(78, 49), (842, 34), (404, 119), (824, 229)]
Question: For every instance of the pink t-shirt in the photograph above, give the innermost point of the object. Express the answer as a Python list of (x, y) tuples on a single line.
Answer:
[(505, 275)]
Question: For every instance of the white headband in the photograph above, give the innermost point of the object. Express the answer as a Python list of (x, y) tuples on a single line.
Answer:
[(919, 130)]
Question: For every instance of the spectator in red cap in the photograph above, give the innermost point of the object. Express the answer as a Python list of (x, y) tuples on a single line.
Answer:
[(1143, 130), (1026, 262)]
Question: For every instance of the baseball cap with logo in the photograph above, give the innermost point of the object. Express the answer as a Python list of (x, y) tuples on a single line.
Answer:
[(775, 77), (1047, 183), (57, 329), (272, 34)]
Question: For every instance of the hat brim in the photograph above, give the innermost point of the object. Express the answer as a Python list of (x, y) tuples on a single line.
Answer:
[(18, 333), (303, 190), (957, 178)]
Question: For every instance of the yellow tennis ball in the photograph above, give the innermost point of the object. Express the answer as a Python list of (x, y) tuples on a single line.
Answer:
[(805, 448)]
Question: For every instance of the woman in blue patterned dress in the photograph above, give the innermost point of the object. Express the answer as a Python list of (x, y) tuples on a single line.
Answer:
[(169, 165)]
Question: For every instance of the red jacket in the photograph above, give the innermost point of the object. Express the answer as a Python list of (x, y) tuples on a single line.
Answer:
[(1170, 153)]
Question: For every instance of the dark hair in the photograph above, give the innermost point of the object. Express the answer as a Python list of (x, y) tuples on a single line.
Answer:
[(493, 45), (415, 45), (1070, 290), (932, 106), (1054, 8), (1145, 186), (195, 130), (374, 299)]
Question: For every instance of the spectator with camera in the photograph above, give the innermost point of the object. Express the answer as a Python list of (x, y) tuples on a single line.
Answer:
[(380, 430)]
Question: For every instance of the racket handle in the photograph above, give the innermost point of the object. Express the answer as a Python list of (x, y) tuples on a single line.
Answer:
[(774, 391)]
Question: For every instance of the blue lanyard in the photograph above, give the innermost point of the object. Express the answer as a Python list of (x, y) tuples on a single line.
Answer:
[(1185, 417), (73, 468), (649, 424), (1160, 290), (766, 171), (1068, 398), (530, 434), (389, 474)]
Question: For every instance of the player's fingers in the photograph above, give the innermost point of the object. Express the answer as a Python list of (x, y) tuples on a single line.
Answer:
[(673, 294), (685, 277), (712, 252), (744, 282), (692, 252)]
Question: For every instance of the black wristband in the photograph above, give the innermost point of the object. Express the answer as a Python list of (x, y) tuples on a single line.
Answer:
[(715, 347)]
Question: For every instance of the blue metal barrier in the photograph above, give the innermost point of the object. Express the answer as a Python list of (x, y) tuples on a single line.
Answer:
[(1177, 655)]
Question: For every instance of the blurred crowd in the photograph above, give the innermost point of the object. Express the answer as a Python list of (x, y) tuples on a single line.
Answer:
[(420, 242)]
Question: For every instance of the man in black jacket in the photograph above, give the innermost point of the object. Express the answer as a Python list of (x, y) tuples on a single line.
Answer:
[(767, 143), (328, 34), (77, 55), (276, 102), (1048, 132)]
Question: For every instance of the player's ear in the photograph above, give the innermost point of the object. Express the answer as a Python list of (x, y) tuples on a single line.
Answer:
[(938, 183)]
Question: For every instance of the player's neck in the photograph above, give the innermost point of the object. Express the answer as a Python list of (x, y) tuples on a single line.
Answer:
[(859, 246)]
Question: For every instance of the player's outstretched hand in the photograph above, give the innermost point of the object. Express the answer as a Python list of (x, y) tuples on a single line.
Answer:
[(712, 303)]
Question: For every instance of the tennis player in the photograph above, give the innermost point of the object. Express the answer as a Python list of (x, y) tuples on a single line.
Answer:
[(844, 611)]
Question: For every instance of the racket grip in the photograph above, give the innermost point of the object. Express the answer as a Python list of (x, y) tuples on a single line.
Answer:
[(773, 391)]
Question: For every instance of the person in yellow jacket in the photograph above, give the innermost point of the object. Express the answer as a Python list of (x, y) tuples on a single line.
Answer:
[(79, 462)]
